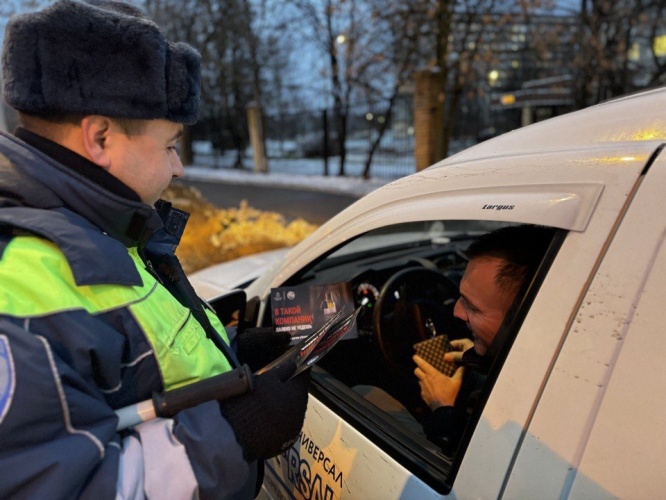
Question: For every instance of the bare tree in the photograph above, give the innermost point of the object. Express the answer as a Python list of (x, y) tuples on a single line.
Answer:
[(615, 49), (329, 25), (358, 53), (218, 30), (241, 53), (395, 50), (470, 44), (372, 48), (461, 49)]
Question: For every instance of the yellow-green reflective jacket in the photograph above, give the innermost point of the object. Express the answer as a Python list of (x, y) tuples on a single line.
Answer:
[(85, 329)]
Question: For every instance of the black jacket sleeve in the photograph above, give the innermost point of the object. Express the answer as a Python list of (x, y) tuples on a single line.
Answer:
[(446, 425)]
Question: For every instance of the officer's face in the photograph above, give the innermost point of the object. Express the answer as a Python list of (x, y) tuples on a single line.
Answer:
[(148, 161), (482, 304)]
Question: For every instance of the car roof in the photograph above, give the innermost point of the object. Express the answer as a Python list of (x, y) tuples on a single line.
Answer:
[(568, 158), (636, 118)]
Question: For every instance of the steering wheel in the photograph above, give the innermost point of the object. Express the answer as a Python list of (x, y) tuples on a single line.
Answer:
[(414, 304)]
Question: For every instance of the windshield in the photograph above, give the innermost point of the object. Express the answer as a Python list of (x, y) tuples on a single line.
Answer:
[(412, 234)]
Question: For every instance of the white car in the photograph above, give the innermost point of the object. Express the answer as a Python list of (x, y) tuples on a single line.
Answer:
[(573, 405)]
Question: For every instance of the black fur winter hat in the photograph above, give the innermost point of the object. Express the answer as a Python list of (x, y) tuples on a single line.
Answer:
[(98, 57)]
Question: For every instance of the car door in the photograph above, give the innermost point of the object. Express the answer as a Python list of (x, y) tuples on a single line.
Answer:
[(598, 428), (349, 448)]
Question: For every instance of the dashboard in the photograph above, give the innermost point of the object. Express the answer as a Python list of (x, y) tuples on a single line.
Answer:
[(368, 273)]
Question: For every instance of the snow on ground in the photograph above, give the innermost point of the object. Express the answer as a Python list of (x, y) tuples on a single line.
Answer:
[(305, 177), (307, 173), (314, 182), (298, 172)]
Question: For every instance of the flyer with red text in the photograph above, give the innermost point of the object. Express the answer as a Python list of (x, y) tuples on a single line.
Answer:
[(315, 346), (300, 310)]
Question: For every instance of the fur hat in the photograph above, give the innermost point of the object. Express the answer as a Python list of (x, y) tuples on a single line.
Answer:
[(99, 57)]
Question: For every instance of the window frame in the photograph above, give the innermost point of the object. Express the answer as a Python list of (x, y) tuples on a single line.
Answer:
[(418, 455)]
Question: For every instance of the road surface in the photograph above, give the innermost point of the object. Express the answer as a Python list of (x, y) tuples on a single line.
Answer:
[(313, 206)]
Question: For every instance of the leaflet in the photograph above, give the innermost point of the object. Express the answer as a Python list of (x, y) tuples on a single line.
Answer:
[(315, 346), (302, 309)]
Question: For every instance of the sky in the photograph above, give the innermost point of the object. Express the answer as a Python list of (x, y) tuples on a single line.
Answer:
[(302, 77), (16, 5)]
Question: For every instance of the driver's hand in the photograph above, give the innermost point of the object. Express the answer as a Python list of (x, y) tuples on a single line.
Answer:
[(436, 388), (459, 347)]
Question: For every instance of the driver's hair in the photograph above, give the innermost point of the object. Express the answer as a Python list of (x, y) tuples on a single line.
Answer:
[(522, 248)]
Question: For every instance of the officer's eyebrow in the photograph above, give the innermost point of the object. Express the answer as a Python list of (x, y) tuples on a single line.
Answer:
[(177, 135)]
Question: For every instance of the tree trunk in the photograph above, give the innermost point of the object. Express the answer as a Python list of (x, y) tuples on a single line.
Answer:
[(375, 144)]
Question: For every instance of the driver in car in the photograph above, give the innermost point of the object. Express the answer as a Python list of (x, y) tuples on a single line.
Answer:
[(500, 263)]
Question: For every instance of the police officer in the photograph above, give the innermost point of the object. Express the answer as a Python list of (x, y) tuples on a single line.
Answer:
[(95, 311)]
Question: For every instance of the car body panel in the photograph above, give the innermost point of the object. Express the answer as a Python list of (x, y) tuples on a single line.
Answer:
[(529, 364), (592, 393), (630, 119), (628, 405), (337, 461), (509, 410)]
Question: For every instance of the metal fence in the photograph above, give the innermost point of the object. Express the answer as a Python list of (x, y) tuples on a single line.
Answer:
[(307, 142)]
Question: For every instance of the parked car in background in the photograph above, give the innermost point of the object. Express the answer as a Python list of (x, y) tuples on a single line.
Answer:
[(571, 407)]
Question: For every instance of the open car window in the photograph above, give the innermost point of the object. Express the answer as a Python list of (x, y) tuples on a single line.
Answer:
[(405, 278)]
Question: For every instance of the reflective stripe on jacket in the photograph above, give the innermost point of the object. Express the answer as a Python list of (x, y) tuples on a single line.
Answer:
[(35, 268)]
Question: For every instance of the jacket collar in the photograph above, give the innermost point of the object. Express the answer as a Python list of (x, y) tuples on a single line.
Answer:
[(83, 245), (77, 163)]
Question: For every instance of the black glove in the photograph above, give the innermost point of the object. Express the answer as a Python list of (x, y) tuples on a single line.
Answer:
[(268, 420), (259, 346)]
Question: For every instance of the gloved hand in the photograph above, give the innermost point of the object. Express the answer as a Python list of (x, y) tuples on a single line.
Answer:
[(268, 420), (260, 345)]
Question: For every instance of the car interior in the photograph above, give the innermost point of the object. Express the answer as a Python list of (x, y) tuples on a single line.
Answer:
[(404, 279)]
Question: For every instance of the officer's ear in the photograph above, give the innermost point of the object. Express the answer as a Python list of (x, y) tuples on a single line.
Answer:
[(96, 133)]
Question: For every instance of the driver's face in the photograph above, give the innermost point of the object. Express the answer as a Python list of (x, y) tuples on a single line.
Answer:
[(482, 304)]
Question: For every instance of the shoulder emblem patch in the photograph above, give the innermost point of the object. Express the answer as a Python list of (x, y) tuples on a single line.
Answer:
[(7, 377)]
